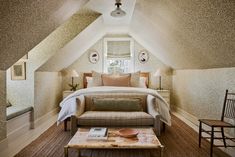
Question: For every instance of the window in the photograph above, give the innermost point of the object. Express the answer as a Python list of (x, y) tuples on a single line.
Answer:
[(118, 55)]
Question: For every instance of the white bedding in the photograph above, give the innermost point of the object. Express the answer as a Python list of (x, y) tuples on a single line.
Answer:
[(69, 105)]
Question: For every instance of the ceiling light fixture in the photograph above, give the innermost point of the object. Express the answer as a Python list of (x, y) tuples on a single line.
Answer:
[(118, 12)]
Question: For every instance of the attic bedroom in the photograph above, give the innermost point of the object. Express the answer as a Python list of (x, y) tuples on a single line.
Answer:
[(117, 78)]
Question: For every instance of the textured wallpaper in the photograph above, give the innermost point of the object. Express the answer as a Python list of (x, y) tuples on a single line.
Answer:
[(187, 34), (48, 92), (76, 47), (82, 64), (22, 92), (2, 105), (25, 23), (201, 92)]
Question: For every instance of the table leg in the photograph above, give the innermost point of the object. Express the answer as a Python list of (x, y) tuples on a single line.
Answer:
[(78, 153), (161, 150), (66, 153)]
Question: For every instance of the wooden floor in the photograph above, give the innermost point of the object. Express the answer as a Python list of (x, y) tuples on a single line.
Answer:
[(179, 141)]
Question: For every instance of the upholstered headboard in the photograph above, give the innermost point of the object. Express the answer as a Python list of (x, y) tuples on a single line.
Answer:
[(142, 74)]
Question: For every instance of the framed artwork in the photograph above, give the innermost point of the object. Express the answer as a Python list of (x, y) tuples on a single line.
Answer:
[(18, 71), (143, 56), (93, 57)]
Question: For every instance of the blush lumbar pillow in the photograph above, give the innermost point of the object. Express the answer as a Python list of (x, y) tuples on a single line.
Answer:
[(134, 79), (113, 80), (116, 104)]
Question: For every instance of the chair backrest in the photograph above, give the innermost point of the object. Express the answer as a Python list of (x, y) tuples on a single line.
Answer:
[(229, 106)]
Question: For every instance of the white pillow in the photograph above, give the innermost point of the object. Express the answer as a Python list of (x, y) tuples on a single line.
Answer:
[(142, 82), (97, 80), (89, 82), (135, 79)]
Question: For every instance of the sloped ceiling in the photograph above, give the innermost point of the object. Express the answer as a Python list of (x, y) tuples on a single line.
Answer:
[(184, 34), (25, 23), (75, 48), (83, 41), (187, 34)]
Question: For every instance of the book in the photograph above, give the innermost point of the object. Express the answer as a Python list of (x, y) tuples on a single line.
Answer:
[(98, 133)]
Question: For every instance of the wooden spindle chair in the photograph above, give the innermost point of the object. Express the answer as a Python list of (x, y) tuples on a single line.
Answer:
[(228, 111)]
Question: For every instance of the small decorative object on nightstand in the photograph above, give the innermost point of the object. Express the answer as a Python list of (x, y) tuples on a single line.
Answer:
[(72, 73), (165, 94), (159, 74)]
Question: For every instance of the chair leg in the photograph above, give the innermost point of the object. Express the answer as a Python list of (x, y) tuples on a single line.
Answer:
[(212, 141), (200, 133), (222, 131)]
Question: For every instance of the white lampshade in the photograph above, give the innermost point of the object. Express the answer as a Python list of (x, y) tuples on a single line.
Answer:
[(71, 73), (159, 72)]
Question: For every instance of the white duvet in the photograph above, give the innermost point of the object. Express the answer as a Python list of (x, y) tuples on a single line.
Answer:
[(69, 105)]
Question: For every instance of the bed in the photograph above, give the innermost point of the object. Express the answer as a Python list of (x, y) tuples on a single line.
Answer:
[(124, 88), (142, 74)]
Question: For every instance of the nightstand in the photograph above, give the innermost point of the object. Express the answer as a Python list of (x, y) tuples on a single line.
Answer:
[(165, 94), (66, 93)]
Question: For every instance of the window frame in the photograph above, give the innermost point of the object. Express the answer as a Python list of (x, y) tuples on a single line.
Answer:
[(132, 57)]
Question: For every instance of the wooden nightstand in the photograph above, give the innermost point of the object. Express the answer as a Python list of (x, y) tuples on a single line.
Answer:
[(165, 94), (66, 93)]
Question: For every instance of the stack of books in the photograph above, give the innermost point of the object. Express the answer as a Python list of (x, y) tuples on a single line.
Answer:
[(98, 134)]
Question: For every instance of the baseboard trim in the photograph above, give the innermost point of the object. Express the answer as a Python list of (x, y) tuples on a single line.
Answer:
[(45, 117), (23, 136), (187, 115), (19, 124), (192, 121)]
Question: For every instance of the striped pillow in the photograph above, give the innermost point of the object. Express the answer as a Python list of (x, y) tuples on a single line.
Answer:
[(116, 104)]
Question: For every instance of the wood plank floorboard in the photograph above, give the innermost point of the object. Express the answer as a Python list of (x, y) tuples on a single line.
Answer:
[(179, 140)]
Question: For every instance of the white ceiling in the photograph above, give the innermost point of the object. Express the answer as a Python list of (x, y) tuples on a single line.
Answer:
[(105, 7), (183, 34)]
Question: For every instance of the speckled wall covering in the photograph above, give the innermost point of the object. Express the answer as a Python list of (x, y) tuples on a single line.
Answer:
[(83, 65), (2, 105), (25, 23), (48, 92), (187, 34), (201, 92), (22, 92)]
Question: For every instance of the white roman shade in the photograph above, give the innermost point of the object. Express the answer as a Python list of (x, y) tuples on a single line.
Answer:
[(118, 49)]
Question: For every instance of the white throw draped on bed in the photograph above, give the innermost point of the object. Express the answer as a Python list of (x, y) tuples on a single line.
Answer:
[(69, 105)]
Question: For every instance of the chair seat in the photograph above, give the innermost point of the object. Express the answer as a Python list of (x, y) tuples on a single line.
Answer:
[(102, 118), (215, 123)]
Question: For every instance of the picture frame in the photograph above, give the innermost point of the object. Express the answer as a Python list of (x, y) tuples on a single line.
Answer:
[(18, 71), (94, 57), (143, 56)]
